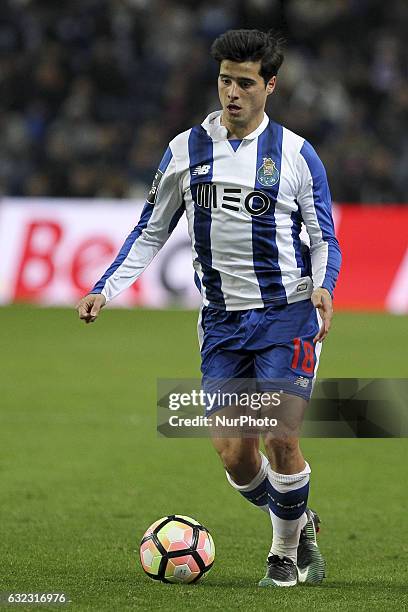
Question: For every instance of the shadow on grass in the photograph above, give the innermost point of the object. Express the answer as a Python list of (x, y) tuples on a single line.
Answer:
[(379, 585), (244, 583)]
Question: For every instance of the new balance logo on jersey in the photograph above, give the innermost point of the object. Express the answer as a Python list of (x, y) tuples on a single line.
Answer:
[(201, 170), (255, 203)]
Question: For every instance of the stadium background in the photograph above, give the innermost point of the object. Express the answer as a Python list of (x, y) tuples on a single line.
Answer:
[(91, 92)]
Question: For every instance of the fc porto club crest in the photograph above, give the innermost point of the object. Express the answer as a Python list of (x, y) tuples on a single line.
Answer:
[(268, 174)]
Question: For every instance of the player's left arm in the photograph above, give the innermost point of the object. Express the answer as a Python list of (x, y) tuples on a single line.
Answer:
[(315, 204)]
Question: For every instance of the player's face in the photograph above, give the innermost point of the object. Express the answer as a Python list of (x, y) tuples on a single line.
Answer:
[(243, 95)]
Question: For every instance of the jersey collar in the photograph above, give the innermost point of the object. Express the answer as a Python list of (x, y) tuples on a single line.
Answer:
[(213, 127)]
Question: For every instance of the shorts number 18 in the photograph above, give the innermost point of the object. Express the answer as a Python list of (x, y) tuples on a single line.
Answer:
[(308, 361)]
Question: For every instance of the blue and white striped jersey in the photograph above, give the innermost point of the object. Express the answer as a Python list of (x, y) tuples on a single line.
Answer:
[(245, 210)]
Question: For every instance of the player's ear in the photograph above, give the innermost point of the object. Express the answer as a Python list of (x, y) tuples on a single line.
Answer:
[(270, 86)]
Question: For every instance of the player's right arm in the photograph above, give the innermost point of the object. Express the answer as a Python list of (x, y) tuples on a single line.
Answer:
[(90, 306), (163, 208)]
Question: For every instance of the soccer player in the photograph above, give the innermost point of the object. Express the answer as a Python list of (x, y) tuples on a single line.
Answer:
[(246, 185)]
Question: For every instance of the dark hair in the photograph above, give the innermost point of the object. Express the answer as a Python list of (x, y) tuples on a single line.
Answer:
[(251, 46)]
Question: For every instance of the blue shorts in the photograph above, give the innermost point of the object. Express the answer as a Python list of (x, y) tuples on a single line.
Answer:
[(268, 344)]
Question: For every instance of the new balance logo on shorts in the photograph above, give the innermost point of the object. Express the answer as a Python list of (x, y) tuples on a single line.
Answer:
[(302, 382)]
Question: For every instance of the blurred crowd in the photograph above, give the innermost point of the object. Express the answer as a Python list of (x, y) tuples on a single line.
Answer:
[(93, 90)]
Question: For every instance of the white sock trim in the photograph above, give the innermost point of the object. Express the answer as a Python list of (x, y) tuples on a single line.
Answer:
[(288, 479), (256, 481)]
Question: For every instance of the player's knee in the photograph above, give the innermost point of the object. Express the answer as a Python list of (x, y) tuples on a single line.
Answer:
[(241, 462), (281, 446)]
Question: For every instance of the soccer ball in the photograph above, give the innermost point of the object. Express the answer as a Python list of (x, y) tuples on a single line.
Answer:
[(177, 549)]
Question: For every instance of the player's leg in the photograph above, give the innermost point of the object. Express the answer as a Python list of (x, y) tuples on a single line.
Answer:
[(246, 468), (294, 533), (291, 360), (223, 360), (294, 524), (287, 489)]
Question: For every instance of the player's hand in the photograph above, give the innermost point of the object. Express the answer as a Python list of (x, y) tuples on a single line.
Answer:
[(322, 300), (90, 306)]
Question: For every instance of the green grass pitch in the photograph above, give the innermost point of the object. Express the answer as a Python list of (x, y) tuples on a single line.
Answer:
[(83, 472)]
